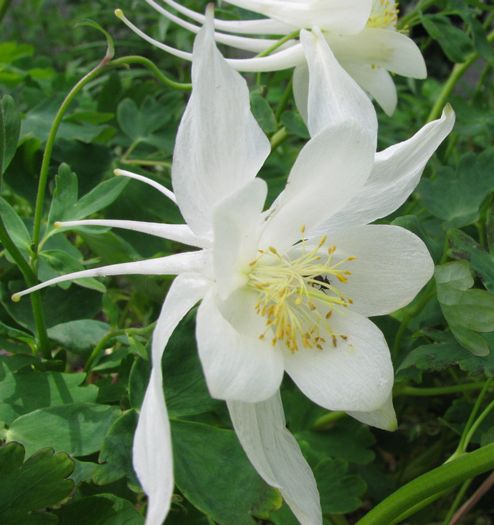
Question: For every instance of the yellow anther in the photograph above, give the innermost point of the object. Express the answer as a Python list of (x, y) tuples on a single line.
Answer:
[(293, 288)]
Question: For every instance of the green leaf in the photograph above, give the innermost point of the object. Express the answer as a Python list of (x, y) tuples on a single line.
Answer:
[(140, 123), (262, 112), (116, 453), (78, 429), (28, 390), (349, 441), (12, 51), (295, 125), (467, 310), (10, 126), (61, 306), (453, 40), (185, 387), (433, 357), (38, 483), (213, 473), (340, 491), (16, 227), (53, 263), (37, 123), (456, 195), (79, 336), (455, 275), (64, 195), (101, 509), (482, 262), (98, 198)]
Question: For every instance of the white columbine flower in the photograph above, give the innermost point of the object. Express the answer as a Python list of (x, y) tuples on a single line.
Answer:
[(361, 33), (287, 289)]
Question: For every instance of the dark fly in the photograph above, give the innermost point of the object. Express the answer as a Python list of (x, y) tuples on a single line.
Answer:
[(325, 282)]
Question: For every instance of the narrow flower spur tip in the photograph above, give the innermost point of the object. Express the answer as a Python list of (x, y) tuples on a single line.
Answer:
[(117, 172), (448, 109), (58, 224), (119, 14), (16, 297)]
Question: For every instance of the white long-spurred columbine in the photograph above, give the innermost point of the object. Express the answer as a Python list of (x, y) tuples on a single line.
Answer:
[(361, 33), (287, 289)]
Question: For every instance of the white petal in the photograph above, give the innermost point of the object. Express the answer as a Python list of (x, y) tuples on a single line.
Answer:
[(219, 145), (329, 171), (395, 175), (261, 26), (152, 449), (237, 367), (174, 232), (284, 59), (392, 265), (171, 50), (156, 185), (334, 97), (341, 16), (301, 90), (380, 47), (236, 225), (255, 45), (383, 418), (377, 82), (276, 455), (356, 375), (170, 265)]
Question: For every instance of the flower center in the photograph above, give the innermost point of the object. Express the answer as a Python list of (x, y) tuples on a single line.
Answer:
[(384, 14), (297, 294)]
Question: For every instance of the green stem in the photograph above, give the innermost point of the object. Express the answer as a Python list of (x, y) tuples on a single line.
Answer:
[(456, 74), (323, 422), (4, 7), (102, 67), (437, 480), (437, 391), (98, 349), (280, 136), (462, 445), (279, 43), (284, 100), (135, 59), (409, 19), (418, 507), (478, 422), (31, 280), (45, 164), (457, 501)]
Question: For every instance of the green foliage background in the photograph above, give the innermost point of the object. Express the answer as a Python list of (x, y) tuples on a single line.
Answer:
[(68, 404)]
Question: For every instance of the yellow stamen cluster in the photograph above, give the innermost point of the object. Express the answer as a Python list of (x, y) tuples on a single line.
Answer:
[(297, 294), (384, 14)]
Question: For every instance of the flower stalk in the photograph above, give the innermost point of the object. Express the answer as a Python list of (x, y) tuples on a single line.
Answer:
[(436, 481)]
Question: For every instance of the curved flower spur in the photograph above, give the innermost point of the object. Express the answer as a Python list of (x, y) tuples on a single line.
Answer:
[(361, 33), (275, 296)]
